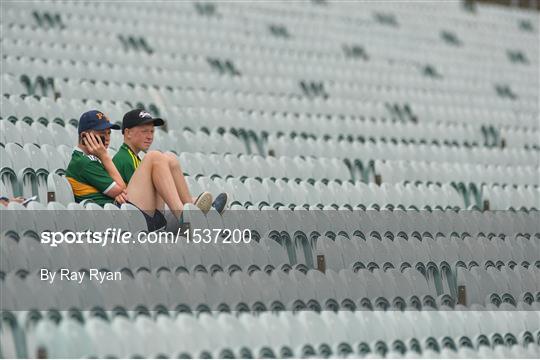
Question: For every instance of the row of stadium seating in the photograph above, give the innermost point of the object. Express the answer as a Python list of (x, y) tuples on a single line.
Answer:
[(190, 141), (391, 151), (132, 88), (254, 195), (286, 290), (31, 108), (398, 171), (465, 334), (191, 27), (22, 180), (54, 134), (22, 159), (29, 255), (360, 222), (243, 100)]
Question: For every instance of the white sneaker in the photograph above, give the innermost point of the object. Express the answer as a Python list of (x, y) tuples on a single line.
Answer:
[(204, 201)]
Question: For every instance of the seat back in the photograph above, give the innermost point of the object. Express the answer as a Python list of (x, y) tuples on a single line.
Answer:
[(61, 188)]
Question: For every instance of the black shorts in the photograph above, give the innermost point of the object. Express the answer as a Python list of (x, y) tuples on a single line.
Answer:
[(156, 222)]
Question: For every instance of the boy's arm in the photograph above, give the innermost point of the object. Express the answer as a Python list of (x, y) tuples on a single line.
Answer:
[(96, 148)]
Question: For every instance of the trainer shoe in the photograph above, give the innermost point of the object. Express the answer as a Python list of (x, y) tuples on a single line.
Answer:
[(204, 201), (220, 203)]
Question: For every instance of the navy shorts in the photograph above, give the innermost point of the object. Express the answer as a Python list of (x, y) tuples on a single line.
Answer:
[(154, 223)]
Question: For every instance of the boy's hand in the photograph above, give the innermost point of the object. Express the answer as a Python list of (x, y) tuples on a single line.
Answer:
[(121, 198), (5, 201), (95, 146)]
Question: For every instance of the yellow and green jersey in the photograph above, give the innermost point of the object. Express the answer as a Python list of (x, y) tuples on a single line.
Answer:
[(126, 161), (88, 178)]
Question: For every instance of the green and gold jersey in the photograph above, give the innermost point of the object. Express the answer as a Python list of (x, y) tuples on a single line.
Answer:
[(126, 161), (88, 178)]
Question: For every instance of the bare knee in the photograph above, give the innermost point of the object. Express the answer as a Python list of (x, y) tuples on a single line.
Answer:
[(173, 161), (154, 156), (170, 156)]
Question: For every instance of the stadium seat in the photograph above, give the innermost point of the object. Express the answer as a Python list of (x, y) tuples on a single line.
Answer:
[(61, 189), (56, 163), (22, 167)]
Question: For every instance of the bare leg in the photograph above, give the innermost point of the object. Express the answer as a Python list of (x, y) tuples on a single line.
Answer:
[(152, 179), (179, 179), (160, 204)]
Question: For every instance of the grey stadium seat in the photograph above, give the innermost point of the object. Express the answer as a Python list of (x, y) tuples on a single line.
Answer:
[(61, 188)]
